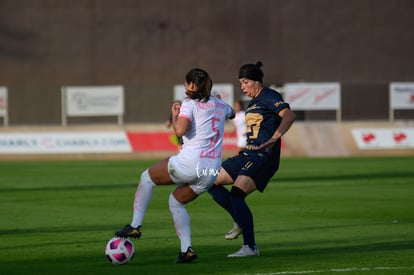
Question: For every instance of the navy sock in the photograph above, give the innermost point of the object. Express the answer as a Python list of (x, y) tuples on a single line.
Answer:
[(243, 215), (222, 197)]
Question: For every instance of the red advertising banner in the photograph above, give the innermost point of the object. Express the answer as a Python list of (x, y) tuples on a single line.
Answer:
[(164, 141)]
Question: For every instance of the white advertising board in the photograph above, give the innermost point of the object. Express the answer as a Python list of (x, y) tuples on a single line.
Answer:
[(225, 90), (3, 101), (68, 142), (398, 138), (402, 95), (94, 100), (313, 96)]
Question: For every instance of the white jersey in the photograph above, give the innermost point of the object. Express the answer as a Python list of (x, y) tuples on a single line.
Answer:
[(240, 124), (200, 158)]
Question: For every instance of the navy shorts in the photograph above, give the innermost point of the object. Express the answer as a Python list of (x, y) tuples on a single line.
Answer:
[(260, 167)]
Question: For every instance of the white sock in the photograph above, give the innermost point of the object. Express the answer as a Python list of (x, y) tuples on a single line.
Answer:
[(181, 222), (142, 198)]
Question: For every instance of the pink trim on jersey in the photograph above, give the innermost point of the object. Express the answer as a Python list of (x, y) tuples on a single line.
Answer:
[(186, 116)]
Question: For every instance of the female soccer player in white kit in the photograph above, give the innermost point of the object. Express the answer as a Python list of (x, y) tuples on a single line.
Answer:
[(239, 122), (200, 120)]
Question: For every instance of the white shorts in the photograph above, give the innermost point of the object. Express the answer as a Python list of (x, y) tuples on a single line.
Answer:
[(199, 174)]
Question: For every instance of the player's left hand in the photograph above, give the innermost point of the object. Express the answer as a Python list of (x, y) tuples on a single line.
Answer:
[(268, 144), (175, 108)]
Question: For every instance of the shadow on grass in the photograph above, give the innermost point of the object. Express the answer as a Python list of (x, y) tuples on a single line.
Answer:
[(59, 229), (78, 186), (347, 177), (212, 260), (343, 249)]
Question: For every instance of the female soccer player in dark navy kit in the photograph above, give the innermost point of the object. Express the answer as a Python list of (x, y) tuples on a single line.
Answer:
[(268, 118)]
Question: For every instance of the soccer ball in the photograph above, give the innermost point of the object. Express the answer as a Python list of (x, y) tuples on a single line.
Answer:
[(119, 250)]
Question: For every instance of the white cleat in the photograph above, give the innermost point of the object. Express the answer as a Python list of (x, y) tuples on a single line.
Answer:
[(234, 232), (245, 251)]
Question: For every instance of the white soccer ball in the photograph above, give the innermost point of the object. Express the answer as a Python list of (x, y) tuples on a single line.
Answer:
[(119, 250)]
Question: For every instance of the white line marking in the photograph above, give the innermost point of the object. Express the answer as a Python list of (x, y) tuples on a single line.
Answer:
[(349, 269)]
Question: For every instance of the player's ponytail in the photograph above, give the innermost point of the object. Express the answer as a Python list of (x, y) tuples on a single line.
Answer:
[(203, 81)]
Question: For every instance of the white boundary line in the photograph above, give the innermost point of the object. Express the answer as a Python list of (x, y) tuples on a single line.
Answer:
[(349, 269)]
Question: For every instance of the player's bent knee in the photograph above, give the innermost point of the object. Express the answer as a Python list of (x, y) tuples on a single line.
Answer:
[(220, 194), (146, 179), (237, 192), (215, 190), (173, 203)]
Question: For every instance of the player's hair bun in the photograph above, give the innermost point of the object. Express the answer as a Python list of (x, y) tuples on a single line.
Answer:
[(252, 71)]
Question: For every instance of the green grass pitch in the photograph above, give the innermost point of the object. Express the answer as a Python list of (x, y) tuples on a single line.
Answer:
[(317, 215)]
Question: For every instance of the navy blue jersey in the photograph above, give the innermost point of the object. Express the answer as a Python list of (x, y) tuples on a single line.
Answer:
[(262, 118)]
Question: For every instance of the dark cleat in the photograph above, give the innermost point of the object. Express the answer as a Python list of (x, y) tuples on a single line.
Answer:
[(129, 232), (186, 257)]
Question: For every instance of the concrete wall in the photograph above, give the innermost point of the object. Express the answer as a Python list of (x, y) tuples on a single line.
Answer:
[(329, 139), (148, 46)]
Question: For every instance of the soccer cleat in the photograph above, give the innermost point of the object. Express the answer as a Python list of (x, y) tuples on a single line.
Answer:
[(186, 257), (234, 232), (129, 232), (245, 251)]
